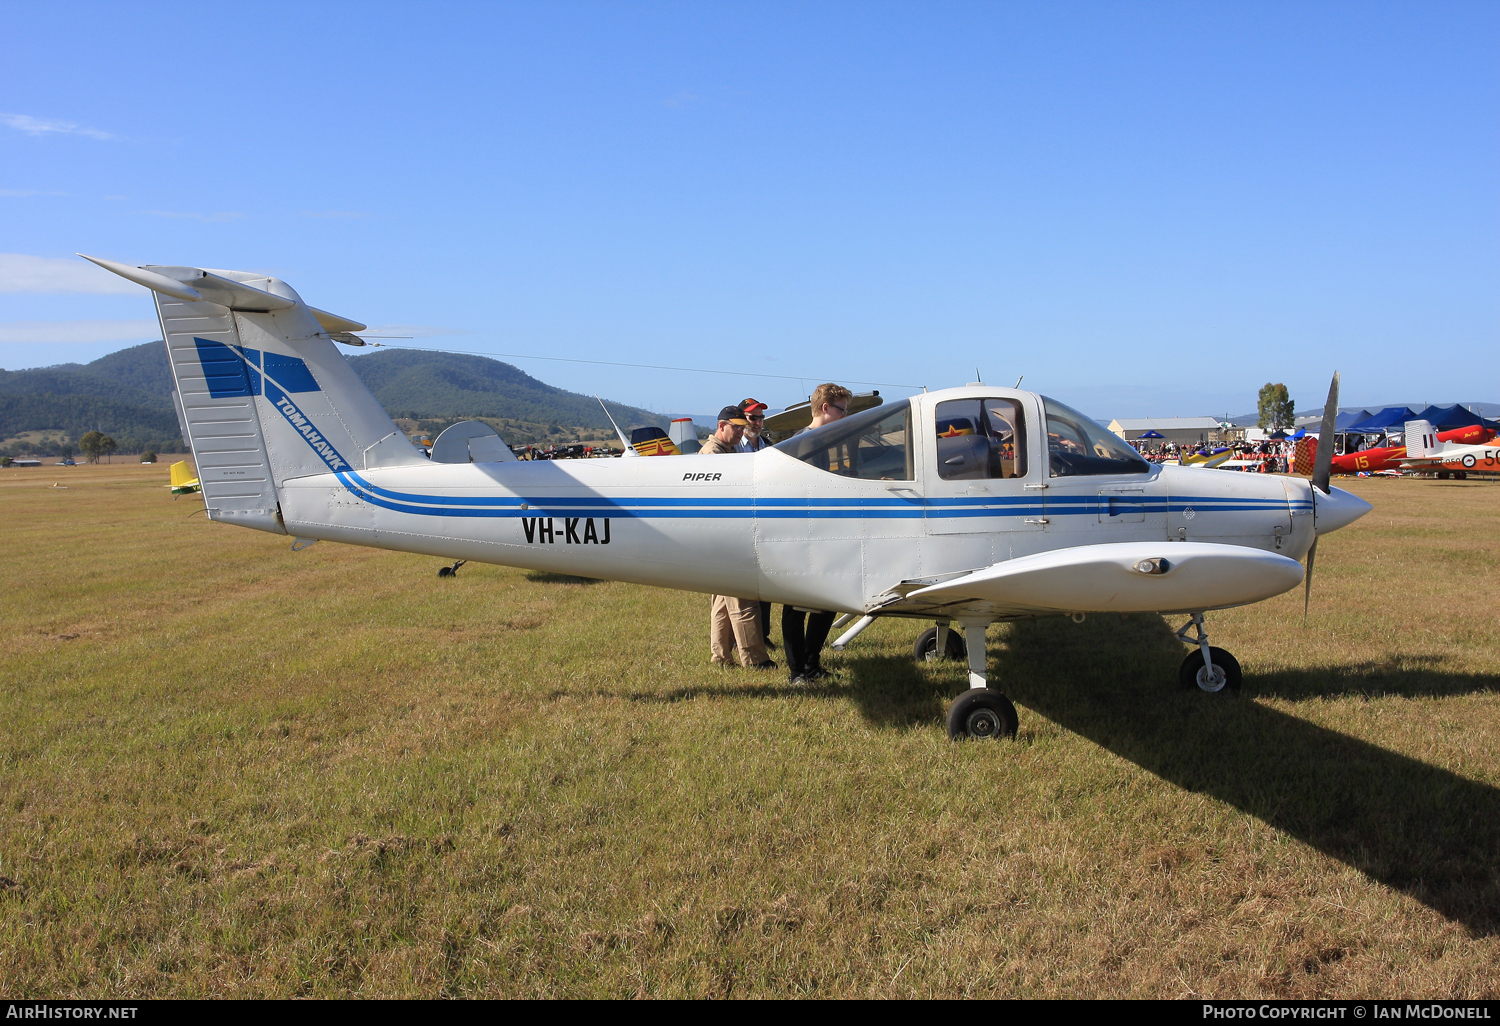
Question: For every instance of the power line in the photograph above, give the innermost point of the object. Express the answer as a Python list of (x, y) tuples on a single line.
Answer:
[(640, 366)]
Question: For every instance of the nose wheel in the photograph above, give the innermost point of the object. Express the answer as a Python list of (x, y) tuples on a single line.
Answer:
[(1211, 670), (1222, 673)]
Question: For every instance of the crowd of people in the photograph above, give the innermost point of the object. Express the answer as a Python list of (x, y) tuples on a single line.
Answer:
[(744, 625), (1273, 455)]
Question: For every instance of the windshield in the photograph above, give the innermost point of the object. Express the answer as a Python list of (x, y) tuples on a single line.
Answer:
[(1077, 446), (874, 445)]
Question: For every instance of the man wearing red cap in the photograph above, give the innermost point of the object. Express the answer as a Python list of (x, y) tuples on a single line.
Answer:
[(755, 421)]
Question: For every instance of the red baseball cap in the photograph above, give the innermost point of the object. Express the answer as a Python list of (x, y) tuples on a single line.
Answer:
[(751, 405)]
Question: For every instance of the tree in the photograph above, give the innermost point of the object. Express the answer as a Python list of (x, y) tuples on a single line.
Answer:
[(107, 445), (91, 445), (148, 456), (1276, 409)]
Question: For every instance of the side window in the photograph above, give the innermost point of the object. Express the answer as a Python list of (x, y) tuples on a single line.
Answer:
[(1078, 447), (980, 438), (874, 445)]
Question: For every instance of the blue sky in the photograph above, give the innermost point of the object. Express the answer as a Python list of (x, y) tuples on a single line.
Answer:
[(1145, 208)]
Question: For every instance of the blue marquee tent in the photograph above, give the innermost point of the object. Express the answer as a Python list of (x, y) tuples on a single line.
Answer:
[(1446, 418), (1345, 419), (1392, 418)]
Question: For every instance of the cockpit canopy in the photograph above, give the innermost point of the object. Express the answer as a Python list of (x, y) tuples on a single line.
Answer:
[(874, 445), (976, 438)]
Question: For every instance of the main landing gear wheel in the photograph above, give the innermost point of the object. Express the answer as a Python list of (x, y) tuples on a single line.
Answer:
[(1223, 675), (925, 650), (981, 713)]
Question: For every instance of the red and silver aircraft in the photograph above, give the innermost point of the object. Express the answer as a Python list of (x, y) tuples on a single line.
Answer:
[(969, 505), (1390, 457)]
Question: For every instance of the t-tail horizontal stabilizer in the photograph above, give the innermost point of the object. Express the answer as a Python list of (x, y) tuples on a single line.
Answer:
[(265, 395)]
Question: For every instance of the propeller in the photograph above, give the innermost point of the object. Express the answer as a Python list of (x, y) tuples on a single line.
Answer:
[(1322, 469)]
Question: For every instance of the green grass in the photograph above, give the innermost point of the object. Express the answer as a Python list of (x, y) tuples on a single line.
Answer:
[(231, 770)]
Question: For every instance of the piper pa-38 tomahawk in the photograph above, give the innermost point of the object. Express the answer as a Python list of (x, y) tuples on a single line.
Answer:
[(969, 505)]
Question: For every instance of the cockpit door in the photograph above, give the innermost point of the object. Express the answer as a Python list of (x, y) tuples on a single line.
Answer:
[(978, 467)]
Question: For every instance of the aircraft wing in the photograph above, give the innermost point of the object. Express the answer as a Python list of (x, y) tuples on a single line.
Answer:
[(789, 421), (1210, 461), (1119, 577)]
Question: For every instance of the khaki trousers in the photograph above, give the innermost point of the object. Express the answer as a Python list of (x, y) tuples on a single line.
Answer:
[(736, 622)]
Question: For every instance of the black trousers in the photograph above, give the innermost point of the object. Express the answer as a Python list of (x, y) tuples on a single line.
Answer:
[(803, 643), (765, 622)]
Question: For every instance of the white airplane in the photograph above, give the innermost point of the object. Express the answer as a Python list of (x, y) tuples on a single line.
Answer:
[(969, 505)]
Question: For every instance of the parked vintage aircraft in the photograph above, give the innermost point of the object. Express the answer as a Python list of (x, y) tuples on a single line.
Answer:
[(1390, 457), (1424, 451), (184, 481), (1035, 510)]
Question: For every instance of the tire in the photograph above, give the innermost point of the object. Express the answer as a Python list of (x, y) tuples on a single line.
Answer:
[(925, 650), (983, 714), (1189, 675)]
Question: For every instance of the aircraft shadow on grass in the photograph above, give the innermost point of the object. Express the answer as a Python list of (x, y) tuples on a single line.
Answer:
[(1422, 830)]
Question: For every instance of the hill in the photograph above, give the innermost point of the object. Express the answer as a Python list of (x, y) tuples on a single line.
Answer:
[(128, 393), (442, 385)]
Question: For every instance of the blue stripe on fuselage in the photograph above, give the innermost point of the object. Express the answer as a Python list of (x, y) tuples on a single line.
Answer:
[(728, 508)]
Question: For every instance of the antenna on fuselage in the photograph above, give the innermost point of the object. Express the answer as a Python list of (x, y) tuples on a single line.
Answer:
[(1019, 380)]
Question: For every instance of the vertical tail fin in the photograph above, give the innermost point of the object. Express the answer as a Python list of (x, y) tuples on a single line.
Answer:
[(265, 396), (182, 476), (1305, 454), (684, 435), (1421, 439), (653, 441)]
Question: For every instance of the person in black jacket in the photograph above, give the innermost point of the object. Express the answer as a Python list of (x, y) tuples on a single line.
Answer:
[(804, 632)]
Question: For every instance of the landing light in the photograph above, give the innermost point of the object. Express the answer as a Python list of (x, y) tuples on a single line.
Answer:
[(1153, 566)]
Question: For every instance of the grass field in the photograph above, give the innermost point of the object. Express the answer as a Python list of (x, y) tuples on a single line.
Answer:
[(231, 770)]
